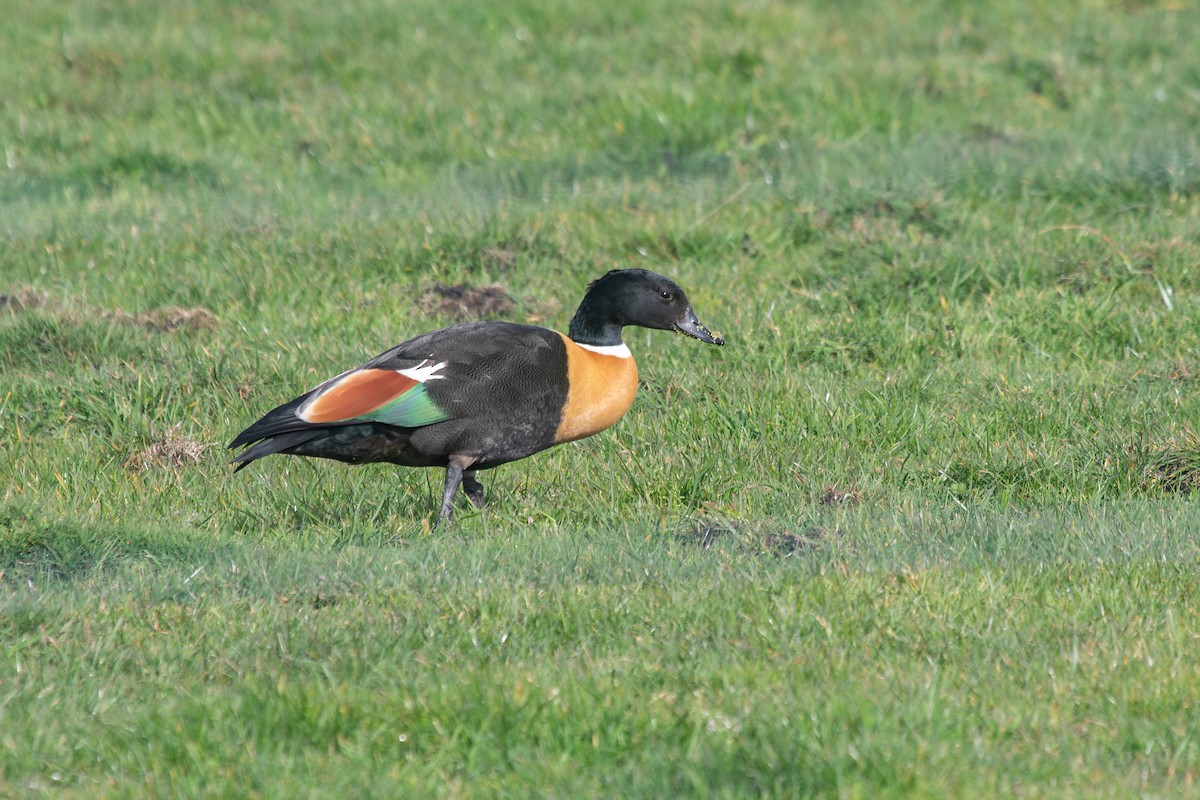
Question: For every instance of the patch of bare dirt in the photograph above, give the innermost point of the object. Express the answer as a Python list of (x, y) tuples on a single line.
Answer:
[(1174, 468), (748, 537), (1181, 372), (836, 496), (23, 298), (500, 257), (787, 543), (987, 134), (790, 543), (160, 320), (168, 320), (704, 534), (464, 303), (171, 451)]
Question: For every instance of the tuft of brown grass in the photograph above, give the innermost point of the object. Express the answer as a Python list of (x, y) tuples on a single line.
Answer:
[(169, 319), (171, 451)]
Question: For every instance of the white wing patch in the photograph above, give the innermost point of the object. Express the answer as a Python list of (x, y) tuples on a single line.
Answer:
[(421, 373)]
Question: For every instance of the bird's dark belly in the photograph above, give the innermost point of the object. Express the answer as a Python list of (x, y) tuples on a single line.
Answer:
[(431, 446), (365, 444), (492, 444)]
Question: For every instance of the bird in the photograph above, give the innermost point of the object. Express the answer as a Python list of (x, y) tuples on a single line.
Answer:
[(473, 396)]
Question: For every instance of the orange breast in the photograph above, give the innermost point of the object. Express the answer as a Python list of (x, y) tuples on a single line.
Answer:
[(601, 389)]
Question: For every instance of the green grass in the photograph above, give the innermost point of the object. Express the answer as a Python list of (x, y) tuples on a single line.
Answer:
[(925, 527)]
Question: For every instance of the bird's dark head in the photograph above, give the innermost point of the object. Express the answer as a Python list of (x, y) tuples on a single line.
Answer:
[(635, 297)]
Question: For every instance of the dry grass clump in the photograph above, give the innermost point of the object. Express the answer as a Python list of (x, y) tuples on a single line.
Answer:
[(171, 451), (169, 319)]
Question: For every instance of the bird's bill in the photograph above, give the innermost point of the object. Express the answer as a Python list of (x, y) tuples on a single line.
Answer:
[(692, 327)]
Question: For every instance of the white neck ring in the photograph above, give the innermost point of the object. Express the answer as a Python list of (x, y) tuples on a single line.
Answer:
[(618, 350)]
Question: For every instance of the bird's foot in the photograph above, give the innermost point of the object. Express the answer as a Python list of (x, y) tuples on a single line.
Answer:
[(472, 488)]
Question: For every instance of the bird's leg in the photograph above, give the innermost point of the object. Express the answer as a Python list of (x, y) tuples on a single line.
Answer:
[(454, 477), (473, 488)]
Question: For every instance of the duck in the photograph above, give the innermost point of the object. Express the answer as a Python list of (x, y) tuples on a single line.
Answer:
[(473, 396)]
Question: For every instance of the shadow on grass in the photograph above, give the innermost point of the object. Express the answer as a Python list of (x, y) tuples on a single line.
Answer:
[(101, 175), (34, 548), (772, 540)]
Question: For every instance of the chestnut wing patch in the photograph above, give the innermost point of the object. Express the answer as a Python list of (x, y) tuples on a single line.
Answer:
[(375, 395)]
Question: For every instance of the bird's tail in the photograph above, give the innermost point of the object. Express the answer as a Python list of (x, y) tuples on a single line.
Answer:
[(279, 443)]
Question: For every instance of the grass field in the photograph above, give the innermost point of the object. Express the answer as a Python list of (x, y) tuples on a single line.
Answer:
[(925, 527)]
